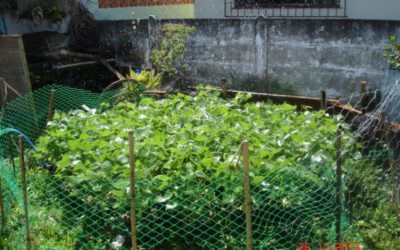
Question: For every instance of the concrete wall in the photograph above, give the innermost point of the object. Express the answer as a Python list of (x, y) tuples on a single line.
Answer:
[(307, 55), (304, 55), (328, 55)]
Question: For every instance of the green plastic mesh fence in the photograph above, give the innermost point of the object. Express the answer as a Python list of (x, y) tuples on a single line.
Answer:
[(190, 180)]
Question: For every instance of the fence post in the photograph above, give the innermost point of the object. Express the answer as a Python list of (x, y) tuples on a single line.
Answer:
[(24, 191), (395, 180), (224, 87), (364, 99), (51, 105), (11, 142), (3, 217), (338, 145), (132, 189), (247, 194), (323, 99)]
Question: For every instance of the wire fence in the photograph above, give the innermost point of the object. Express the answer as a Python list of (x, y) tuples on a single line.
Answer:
[(344, 199)]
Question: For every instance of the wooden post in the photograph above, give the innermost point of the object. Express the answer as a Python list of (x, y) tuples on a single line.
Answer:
[(24, 192), (395, 181), (224, 87), (247, 194), (3, 217), (9, 145), (323, 99), (338, 145), (132, 189), (364, 99), (51, 105)]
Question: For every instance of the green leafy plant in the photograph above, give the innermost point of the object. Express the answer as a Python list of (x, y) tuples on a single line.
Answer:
[(185, 154), (146, 78), (168, 59), (38, 13), (393, 52), (135, 84), (372, 213), (54, 14)]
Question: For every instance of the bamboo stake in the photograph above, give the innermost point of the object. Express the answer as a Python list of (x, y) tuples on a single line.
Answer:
[(224, 87), (132, 189), (10, 144), (363, 91), (247, 194), (3, 217), (338, 145), (323, 99), (24, 191), (51, 105), (395, 181)]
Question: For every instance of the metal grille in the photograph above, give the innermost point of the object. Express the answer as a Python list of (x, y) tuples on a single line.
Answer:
[(295, 8)]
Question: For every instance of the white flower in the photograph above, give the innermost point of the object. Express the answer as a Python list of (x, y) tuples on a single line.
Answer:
[(118, 242)]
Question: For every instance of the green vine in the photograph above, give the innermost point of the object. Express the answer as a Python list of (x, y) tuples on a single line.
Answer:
[(393, 52)]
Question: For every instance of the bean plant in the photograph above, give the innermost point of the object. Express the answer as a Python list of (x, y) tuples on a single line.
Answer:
[(188, 169)]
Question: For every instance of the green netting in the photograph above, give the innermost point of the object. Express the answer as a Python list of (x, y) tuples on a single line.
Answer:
[(289, 206), (28, 114)]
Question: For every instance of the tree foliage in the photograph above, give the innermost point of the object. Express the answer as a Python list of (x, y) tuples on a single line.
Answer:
[(169, 57)]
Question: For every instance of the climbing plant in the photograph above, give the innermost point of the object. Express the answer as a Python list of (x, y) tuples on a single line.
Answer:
[(393, 52)]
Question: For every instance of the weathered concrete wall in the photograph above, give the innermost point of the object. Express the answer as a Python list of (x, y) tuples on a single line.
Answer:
[(229, 49), (304, 55), (330, 55), (308, 55)]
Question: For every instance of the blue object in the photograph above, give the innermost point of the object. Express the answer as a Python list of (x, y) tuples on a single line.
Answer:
[(13, 130), (137, 70), (3, 27)]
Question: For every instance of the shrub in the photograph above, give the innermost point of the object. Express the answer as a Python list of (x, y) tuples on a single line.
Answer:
[(169, 57)]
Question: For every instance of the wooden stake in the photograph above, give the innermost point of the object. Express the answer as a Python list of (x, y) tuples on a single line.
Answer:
[(132, 189), (247, 194), (224, 87), (3, 217), (51, 105), (10, 144), (24, 191), (364, 100), (110, 68), (395, 181), (363, 86), (323, 99), (338, 145), (80, 64)]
